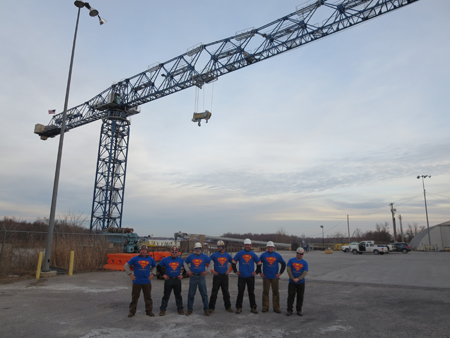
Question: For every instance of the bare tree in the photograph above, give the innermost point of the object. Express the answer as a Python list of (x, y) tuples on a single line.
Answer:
[(338, 237), (358, 234)]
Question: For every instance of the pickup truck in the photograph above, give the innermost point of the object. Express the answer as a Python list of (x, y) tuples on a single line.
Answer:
[(368, 246), (346, 248)]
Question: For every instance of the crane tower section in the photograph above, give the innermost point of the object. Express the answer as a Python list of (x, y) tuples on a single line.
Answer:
[(200, 65)]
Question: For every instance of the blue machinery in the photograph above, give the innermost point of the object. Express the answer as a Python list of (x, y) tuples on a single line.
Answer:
[(199, 65)]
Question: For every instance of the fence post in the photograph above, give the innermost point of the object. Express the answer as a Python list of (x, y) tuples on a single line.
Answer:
[(3, 246)]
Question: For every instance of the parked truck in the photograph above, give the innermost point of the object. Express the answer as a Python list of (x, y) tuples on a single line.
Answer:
[(368, 246)]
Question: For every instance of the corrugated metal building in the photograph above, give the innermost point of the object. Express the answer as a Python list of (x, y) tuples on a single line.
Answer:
[(439, 235)]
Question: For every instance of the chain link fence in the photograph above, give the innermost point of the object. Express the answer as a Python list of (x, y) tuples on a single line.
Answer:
[(19, 251)]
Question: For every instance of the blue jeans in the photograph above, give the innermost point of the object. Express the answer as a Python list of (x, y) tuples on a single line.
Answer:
[(199, 281)]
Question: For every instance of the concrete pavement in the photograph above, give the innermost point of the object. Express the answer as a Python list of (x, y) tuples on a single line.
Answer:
[(397, 295)]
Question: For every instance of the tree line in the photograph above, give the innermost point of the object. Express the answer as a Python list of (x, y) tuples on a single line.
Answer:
[(381, 234)]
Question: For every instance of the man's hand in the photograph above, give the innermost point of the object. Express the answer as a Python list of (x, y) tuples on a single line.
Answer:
[(204, 273), (214, 273), (150, 277), (277, 276), (238, 273), (262, 275), (180, 277), (190, 273), (166, 277), (254, 273), (133, 277), (296, 280)]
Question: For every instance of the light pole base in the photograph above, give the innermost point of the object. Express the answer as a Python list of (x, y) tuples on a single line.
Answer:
[(45, 274)]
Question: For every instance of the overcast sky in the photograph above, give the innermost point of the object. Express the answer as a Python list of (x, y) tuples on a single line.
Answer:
[(342, 126)]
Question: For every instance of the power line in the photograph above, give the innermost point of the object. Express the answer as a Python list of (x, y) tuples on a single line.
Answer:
[(437, 195)]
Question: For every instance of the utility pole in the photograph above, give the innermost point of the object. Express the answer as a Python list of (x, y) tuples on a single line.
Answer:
[(393, 220), (401, 227), (426, 210), (348, 229)]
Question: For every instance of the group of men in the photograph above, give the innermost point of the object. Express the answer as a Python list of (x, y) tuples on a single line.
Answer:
[(270, 265)]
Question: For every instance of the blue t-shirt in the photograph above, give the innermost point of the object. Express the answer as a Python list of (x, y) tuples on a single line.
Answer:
[(142, 267), (270, 263), (247, 261), (172, 266), (297, 268), (221, 262), (198, 263)]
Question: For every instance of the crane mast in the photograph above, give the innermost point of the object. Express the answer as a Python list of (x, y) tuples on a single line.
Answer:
[(200, 65)]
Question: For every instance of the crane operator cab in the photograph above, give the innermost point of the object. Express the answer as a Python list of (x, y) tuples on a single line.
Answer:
[(206, 115)]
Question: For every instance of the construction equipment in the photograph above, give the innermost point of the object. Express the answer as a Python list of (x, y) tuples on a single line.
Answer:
[(123, 237), (200, 65), (206, 115)]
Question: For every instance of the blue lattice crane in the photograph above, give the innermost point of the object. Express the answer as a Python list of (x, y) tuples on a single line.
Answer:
[(200, 65)]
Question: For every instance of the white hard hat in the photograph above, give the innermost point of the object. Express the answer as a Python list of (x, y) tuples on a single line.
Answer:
[(270, 243), (300, 250), (247, 241), (220, 243), (198, 245)]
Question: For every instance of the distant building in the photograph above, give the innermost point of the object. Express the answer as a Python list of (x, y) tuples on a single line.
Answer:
[(439, 235), (158, 241)]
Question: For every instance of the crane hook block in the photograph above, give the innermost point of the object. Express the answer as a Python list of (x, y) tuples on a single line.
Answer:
[(206, 115)]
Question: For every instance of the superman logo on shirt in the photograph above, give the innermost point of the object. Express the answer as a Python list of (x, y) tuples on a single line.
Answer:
[(271, 260), (197, 262), (174, 265), (297, 266), (247, 258), (143, 264), (222, 260)]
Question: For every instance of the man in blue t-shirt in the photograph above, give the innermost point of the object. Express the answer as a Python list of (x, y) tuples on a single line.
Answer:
[(197, 270), (142, 267), (247, 260), (170, 269), (222, 261), (271, 277), (297, 269)]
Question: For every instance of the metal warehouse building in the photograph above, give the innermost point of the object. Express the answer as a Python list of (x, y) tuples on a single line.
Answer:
[(439, 235)]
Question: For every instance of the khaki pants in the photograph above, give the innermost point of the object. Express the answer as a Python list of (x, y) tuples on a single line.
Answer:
[(267, 283)]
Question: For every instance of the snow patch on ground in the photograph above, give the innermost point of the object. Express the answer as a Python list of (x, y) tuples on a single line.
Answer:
[(72, 287)]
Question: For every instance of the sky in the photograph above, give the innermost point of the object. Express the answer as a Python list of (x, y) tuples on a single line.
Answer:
[(342, 126)]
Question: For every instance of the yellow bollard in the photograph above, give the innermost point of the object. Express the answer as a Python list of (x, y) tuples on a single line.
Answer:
[(38, 271), (72, 254)]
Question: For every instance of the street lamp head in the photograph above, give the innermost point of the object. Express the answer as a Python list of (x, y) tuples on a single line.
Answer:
[(418, 177), (321, 226), (93, 12), (102, 21), (79, 4)]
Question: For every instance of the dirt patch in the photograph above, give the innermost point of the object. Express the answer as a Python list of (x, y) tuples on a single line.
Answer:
[(8, 279)]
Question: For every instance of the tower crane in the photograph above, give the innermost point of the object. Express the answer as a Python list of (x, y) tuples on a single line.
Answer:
[(200, 65)]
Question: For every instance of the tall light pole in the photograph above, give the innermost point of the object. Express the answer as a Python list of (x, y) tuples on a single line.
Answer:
[(401, 227), (393, 211), (48, 248), (426, 210), (323, 238)]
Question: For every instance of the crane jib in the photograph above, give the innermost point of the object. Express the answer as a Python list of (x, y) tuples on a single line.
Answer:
[(223, 56)]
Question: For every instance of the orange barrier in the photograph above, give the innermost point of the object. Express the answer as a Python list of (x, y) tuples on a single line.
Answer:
[(118, 260)]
